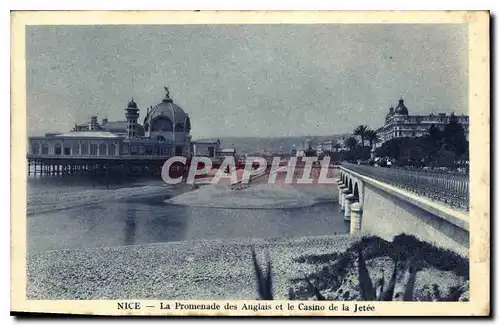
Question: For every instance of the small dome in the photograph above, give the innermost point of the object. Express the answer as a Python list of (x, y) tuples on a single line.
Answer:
[(401, 108), (390, 114), (132, 104)]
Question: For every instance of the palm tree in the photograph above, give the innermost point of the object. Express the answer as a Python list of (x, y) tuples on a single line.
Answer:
[(361, 131), (372, 137), (350, 143)]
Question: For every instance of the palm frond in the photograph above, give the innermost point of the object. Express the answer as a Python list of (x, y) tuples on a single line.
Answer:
[(316, 291), (264, 282), (410, 277), (365, 282), (380, 284), (389, 292)]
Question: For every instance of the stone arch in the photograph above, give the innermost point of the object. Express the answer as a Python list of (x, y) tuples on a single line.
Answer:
[(356, 192), (350, 185)]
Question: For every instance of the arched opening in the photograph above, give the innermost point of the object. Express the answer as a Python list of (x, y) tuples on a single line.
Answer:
[(35, 148), (356, 192), (111, 149), (102, 149), (179, 127), (350, 186), (57, 149), (161, 124), (160, 139)]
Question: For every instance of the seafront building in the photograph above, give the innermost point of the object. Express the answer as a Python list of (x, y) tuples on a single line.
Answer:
[(399, 123), (165, 132)]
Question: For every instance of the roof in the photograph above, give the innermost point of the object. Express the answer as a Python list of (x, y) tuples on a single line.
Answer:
[(121, 127), (88, 134), (205, 141)]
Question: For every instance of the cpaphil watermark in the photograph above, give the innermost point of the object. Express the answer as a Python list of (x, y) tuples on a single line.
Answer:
[(202, 170)]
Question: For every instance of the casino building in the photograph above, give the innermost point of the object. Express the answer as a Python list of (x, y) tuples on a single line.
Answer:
[(165, 132), (399, 123)]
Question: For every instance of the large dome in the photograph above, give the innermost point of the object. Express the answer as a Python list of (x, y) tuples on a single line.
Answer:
[(401, 108), (166, 115)]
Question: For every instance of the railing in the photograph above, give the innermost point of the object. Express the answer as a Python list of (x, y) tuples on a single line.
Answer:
[(449, 188)]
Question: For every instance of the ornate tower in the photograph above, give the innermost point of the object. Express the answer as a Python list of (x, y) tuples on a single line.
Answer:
[(132, 114)]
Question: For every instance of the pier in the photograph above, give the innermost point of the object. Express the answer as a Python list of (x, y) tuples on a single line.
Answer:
[(57, 165)]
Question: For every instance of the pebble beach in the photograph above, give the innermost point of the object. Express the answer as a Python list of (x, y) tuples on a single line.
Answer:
[(215, 269)]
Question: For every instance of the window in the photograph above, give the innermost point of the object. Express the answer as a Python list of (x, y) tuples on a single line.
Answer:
[(102, 149), (67, 150), (149, 150), (85, 149), (111, 149), (178, 150), (34, 148), (211, 151), (93, 149), (57, 149), (45, 149), (76, 149)]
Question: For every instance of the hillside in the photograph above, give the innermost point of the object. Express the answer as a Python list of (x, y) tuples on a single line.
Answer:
[(245, 145)]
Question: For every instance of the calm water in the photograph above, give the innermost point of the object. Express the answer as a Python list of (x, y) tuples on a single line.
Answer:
[(72, 213)]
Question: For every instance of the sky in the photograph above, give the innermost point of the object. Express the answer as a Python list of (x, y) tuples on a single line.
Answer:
[(246, 80)]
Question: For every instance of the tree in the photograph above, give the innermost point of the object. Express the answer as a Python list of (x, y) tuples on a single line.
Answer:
[(435, 133), (372, 137), (350, 143), (453, 137), (337, 146), (361, 131)]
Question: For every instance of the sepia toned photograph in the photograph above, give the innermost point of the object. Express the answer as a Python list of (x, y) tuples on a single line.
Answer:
[(176, 168)]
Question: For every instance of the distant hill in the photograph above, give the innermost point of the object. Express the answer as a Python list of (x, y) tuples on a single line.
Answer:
[(247, 145)]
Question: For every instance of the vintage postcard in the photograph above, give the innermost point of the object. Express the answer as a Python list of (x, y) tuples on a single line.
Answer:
[(251, 163)]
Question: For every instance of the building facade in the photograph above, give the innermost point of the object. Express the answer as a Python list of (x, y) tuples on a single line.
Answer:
[(166, 132), (399, 123)]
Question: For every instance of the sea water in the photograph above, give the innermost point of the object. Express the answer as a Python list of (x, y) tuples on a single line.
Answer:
[(75, 212)]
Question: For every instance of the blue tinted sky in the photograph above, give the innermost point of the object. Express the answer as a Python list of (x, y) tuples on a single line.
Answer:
[(246, 80)]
